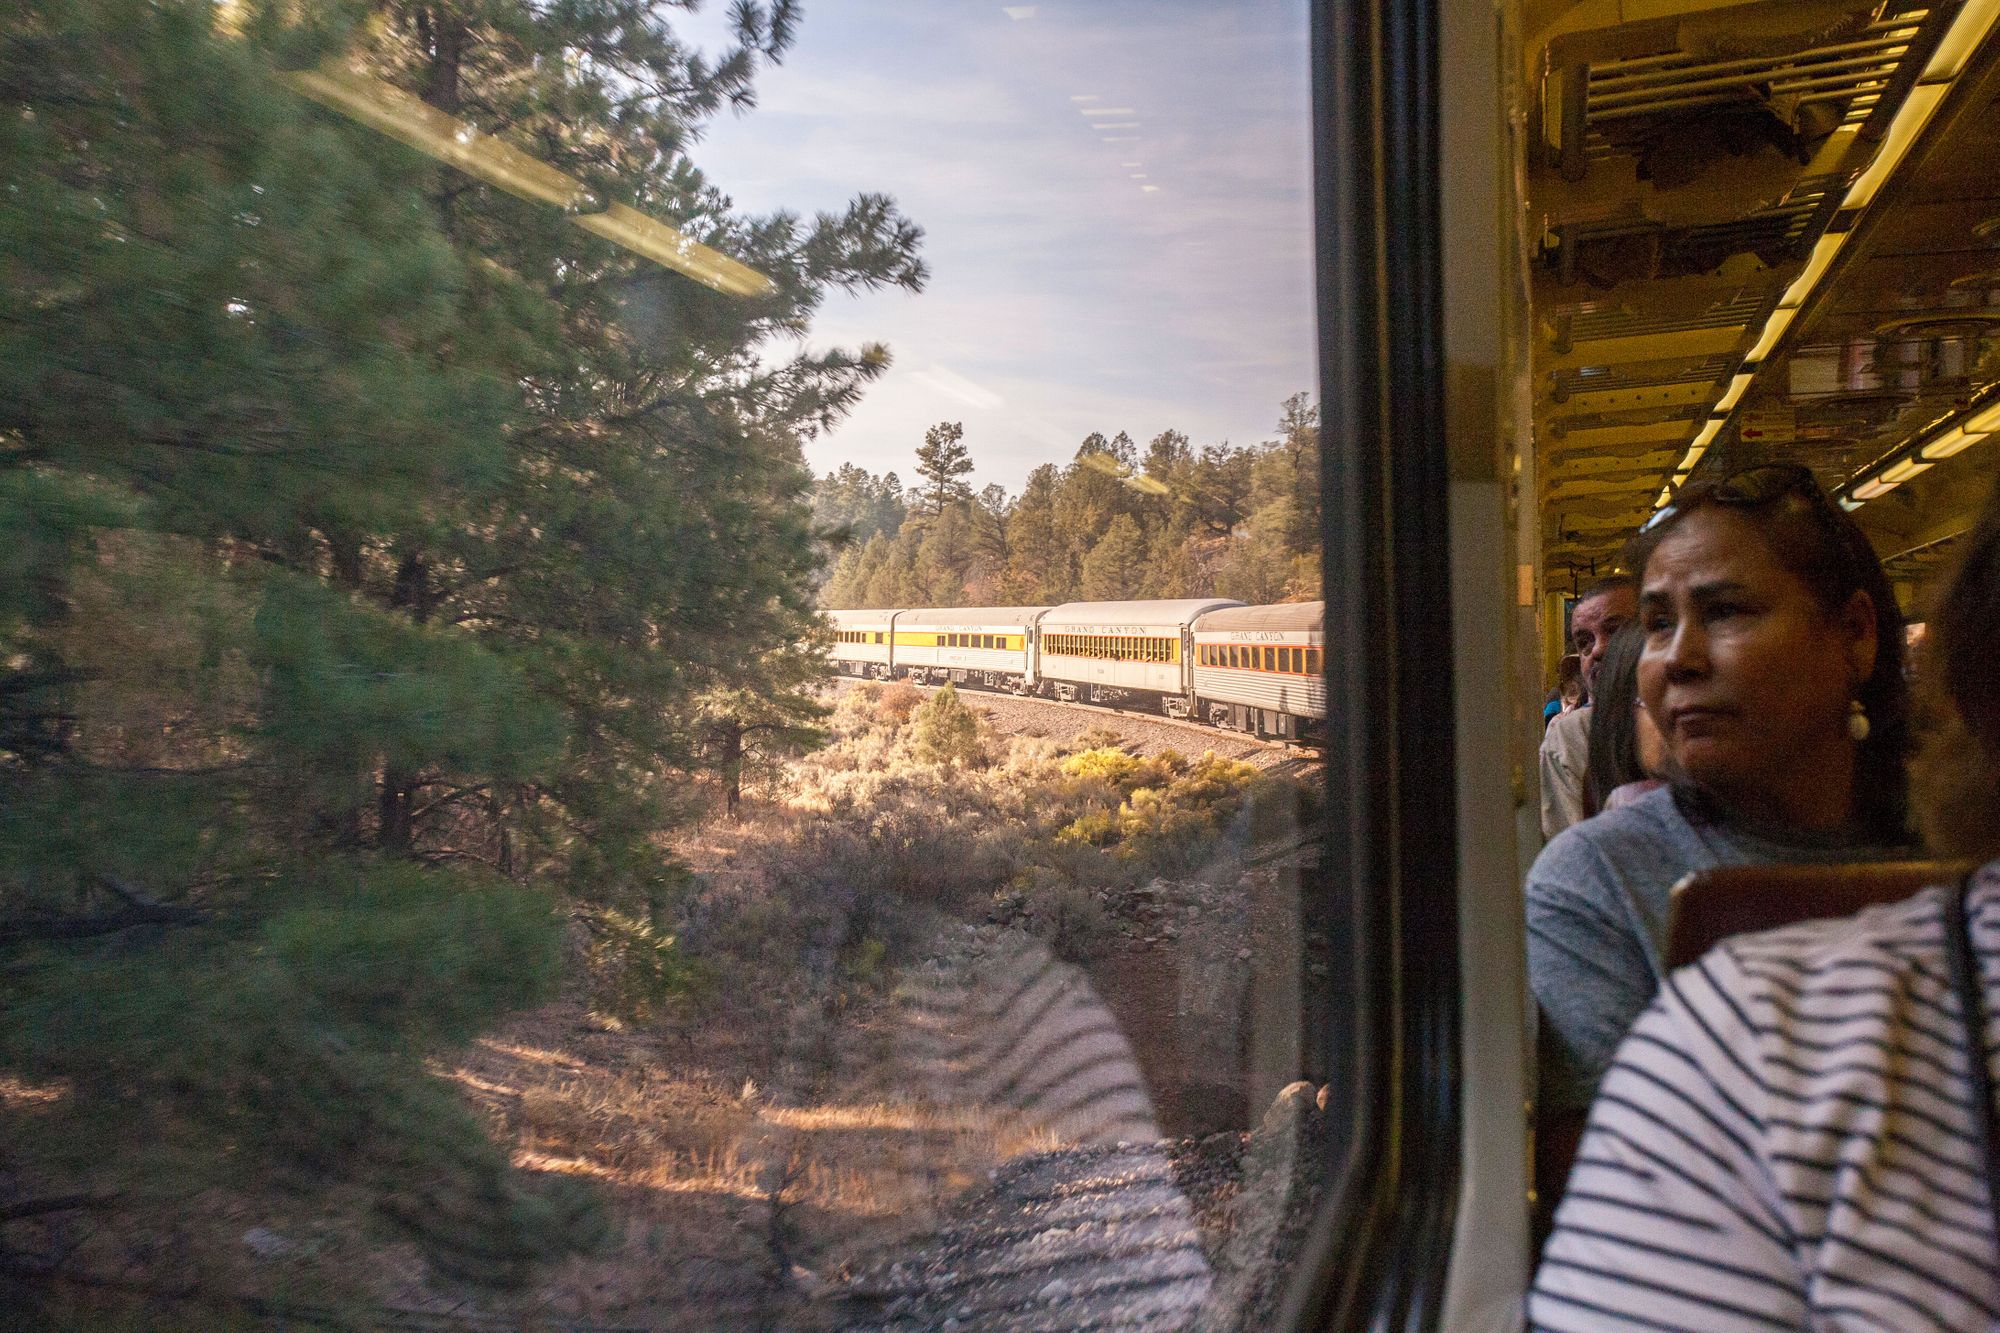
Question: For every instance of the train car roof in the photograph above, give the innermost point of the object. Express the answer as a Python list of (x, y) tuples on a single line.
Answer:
[(1286, 615), (954, 615), (1146, 613), (877, 612)]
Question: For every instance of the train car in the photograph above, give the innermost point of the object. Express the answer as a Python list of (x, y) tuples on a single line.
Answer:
[(991, 646), (1122, 652), (1262, 669), (863, 642)]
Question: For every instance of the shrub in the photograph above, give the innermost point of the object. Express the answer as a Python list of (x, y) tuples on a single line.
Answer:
[(897, 701), (1170, 811), (1068, 918), (945, 731)]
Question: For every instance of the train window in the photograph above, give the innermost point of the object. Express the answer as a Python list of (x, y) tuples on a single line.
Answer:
[(527, 631)]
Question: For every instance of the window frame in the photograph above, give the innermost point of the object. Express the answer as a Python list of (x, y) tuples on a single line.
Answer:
[(1383, 899)]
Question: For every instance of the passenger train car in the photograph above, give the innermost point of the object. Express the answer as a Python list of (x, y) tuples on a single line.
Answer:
[(1123, 652), (1262, 668), (1257, 669)]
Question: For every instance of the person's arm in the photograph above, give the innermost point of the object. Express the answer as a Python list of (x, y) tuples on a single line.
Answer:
[(1672, 1219), (1587, 966), (1561, 764)]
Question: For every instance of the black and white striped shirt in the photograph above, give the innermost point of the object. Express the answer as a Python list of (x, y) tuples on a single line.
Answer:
[(1785, 1142)]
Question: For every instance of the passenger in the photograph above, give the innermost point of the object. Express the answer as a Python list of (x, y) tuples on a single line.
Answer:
[(1568, 692), (1626, 751), (1773, 666), (1793, 1135), (1604, 606)]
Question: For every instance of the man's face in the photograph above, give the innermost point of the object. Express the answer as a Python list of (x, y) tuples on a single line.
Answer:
[(1593, 623)]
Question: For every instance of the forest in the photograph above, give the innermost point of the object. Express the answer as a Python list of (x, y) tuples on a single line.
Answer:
[(383, 553), (1118, 522)]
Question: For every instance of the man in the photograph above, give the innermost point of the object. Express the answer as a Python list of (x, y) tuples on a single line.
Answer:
[(1605, 607)]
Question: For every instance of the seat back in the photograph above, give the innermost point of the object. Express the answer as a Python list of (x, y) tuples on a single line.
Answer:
[(1711, 905)]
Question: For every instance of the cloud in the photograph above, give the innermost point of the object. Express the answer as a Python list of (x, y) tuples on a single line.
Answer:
[(1162, 281), (957, 387)]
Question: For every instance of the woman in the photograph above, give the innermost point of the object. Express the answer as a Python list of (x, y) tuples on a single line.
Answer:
[(1627, 752), (1772, 664), (1793, 1136)]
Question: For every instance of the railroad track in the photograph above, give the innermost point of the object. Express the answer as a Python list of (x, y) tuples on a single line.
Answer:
[(1301, 756)]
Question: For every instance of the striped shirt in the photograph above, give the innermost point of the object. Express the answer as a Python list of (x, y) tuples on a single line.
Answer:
[(1785, 1141)]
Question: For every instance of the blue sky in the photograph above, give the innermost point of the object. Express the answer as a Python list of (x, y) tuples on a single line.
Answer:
[(1115, 198)]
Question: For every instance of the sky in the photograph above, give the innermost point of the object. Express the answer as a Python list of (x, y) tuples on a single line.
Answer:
[(1116, 206)]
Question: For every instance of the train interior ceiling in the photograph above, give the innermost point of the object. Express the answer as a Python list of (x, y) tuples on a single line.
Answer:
[(1759, 233)]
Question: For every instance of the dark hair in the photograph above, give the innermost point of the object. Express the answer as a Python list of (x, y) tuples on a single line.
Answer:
[(1819, 544), (1955, 777), (1965, 632), (1614, 726), (1609, 583)]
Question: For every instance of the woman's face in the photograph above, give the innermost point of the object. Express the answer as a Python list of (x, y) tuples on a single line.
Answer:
[(1746, 676)]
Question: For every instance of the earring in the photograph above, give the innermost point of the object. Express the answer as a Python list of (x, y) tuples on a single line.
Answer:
[(1857, 721)]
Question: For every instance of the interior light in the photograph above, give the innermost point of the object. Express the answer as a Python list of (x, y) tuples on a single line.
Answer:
[(1868, 490), (1986, 422), (1903, 470), (1975, 17), (1911, 117), (1774, 329), (1849, 505), (1954, 441), (1734, 393), (1824, 249)]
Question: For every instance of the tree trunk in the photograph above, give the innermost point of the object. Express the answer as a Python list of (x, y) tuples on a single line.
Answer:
[(393, 808), (397, 798), (731, 737)]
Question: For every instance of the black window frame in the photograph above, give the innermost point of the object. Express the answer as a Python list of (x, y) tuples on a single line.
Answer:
[(1383, 1019)]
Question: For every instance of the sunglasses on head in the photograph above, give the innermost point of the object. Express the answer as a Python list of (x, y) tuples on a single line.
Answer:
[(1749, 489)]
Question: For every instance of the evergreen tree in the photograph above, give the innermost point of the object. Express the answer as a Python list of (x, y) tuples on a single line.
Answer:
[(941, 461), (385, 549), (944, 731), (1116, 564), (851, 504), (944, 557)]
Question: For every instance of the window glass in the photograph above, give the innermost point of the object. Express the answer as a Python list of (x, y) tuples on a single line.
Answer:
[(530, 421)]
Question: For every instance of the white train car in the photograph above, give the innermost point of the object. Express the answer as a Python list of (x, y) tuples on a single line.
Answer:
[(1262, 669), (1118, 652), (991, 646), (863, 642)]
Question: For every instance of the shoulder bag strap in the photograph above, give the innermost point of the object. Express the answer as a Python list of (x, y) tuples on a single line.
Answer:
[(1965, 979)]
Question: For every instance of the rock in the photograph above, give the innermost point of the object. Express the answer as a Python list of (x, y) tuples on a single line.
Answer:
[(1243, 955), (267, 1244)]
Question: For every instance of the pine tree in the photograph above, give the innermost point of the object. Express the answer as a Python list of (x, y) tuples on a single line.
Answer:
[(383, 548), (944, 731), (1116, 564), (941, 461)]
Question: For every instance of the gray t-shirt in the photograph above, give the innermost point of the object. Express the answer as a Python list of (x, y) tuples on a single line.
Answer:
[(1597, 923)]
